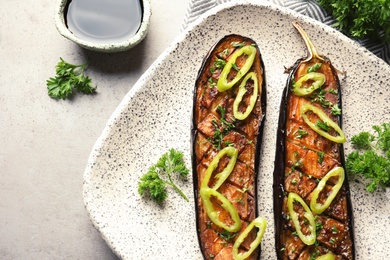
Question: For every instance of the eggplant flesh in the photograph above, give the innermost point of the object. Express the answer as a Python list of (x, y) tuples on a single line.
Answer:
[(214, 127), (303, 158)]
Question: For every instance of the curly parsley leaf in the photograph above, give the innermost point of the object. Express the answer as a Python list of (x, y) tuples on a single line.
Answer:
[(152, 182), (372, 159), (69, 77), (361, 18)]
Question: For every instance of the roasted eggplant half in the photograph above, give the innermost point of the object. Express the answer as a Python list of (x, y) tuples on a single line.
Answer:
[(312, 206), (228, 117)]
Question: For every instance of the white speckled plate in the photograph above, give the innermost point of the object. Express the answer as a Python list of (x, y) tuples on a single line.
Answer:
[(155, 116)]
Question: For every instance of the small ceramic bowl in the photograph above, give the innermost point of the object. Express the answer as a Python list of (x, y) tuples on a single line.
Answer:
[(121, 45)]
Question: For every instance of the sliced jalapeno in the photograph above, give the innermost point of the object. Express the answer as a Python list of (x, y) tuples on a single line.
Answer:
[(261, 224), (317, 207), (307, 239), (224, 174), (317, 78), (205, 194), (223, 83), (241, 92), (328, 256), (337, 139)]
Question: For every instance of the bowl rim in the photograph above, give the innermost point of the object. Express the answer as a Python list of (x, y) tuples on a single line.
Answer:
[(59, 19)]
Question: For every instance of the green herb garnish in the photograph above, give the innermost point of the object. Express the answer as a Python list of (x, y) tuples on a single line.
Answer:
[(69, 77), (372, 160), (235, 67), (226, 235), (319, 97), (301, 133), (314, 68), (238, 44), (333, 91), (221, 129), (320, 156), (335, 110), (335, 230), (151, 183), (361, 18), (219, 63), (323, 125)]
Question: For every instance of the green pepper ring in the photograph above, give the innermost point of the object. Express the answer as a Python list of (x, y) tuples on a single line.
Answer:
[(307, 239), (337, 139), (241, 92), (317, 207), (205, 194), (224, 174), (318, 78), (258, 222), (223, 84)]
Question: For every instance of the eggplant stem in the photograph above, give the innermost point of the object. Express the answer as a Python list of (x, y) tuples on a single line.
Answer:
[(312, 51)]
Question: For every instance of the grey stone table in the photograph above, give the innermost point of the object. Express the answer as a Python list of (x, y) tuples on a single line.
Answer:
[(44, 143)]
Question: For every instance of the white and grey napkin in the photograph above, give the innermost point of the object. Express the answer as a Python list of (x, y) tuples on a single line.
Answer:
[(306, 7)]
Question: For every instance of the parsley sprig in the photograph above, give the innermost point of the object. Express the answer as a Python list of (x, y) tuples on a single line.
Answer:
[(361, 18), (69, 77), (152, 182), (372, 159)]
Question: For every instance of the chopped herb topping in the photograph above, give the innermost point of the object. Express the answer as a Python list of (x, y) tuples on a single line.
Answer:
[(226, 235), (323, 125), (301, 133), (212, 83), (320, 156), (224, 53), (235, 67), (228, 143), (319, 226), (314, 68), (219, 63), (221, 130), (225, 124), (333, 91), (238, 44), (334, 230), (319, 97), (335, 110)]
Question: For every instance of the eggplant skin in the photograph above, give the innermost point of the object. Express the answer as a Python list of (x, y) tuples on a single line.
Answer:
[(245, 135), (288, 245)]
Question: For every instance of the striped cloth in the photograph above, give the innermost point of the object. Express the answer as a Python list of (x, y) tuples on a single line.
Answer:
[(305, 7)]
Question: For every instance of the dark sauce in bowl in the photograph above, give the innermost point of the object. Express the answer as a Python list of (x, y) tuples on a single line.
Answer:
[(104, 21)]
